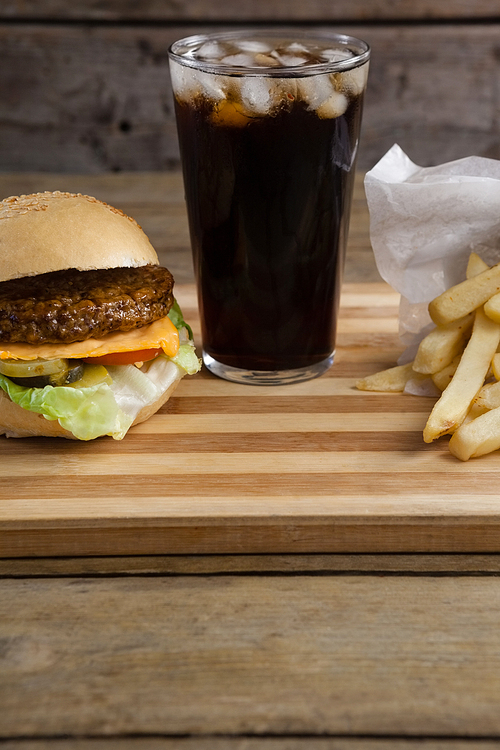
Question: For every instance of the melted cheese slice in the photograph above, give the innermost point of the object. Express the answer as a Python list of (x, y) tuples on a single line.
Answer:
[(160, 334)]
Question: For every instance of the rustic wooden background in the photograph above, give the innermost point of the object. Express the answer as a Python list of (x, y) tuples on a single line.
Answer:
[(84, 84)]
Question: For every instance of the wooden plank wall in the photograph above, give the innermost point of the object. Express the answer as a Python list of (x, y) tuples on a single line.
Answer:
[(84, 85)]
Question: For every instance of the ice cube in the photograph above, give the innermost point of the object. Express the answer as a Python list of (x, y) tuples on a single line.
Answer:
[(314, 90), (334, 106), (212, 86), (187, 83), (296, 47), (210, 51), (292, 61), (354, 81), (240, 60), (255, 95), (335, 55), (184, 81), (252, 46)]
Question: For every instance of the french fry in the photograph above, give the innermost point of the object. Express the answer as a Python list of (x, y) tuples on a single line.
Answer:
[(475, 266), (469, 407), (495, 366), (492, 308), (392, 380), (440, 347), (478, 437), (488, 397), (465, 297), (442, 379), (485, 400), (450, 410), (474, 412)]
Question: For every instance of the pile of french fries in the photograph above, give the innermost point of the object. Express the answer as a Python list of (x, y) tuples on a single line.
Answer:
[(462, 357)]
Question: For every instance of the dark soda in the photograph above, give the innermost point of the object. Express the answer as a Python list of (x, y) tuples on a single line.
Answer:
[(268, 202)]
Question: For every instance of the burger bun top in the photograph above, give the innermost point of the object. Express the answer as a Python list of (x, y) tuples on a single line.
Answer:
[(46, 232)]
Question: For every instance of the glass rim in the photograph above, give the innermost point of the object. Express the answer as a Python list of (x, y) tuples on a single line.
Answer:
[(361, 56)]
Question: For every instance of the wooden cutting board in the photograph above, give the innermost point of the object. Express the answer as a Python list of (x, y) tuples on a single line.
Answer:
[(226, 468)]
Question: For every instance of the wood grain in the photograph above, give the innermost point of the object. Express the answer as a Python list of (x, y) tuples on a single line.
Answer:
[(297, 564), (314, 467), (252, 655), (318, 467), (248, 10), (96, 97), (250, 743)]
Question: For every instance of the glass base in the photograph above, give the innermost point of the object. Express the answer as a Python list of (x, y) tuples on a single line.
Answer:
[(266, 377)]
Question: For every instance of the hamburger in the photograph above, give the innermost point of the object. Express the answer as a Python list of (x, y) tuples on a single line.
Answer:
[(92, 340)]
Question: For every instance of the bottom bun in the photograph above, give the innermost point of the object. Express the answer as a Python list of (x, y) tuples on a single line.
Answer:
[(17, 422)]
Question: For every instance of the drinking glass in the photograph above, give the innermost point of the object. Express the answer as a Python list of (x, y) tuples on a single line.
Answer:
[(268, 125)]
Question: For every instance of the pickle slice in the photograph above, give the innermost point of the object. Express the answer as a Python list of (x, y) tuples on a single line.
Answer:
[(38, 373), (18, 368), (73, 372)]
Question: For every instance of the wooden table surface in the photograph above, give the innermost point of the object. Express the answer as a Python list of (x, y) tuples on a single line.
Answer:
[(361, 646)]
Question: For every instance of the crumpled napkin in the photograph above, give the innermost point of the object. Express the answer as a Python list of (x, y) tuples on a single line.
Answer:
[(424, 223)]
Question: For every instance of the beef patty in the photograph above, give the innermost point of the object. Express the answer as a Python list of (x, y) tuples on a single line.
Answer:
[(71, 305)]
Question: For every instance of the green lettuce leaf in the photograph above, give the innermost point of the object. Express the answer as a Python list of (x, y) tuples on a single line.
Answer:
[(86, 412), (187, 359), (186, 356), (177, 318)]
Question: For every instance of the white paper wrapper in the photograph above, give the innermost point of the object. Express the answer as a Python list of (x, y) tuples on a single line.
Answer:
[(424, 223)]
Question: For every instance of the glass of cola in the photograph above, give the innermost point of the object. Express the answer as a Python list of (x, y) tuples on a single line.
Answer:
[(268, 128)]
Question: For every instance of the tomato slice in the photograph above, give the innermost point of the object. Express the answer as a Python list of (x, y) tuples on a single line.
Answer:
[(123, 358)]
